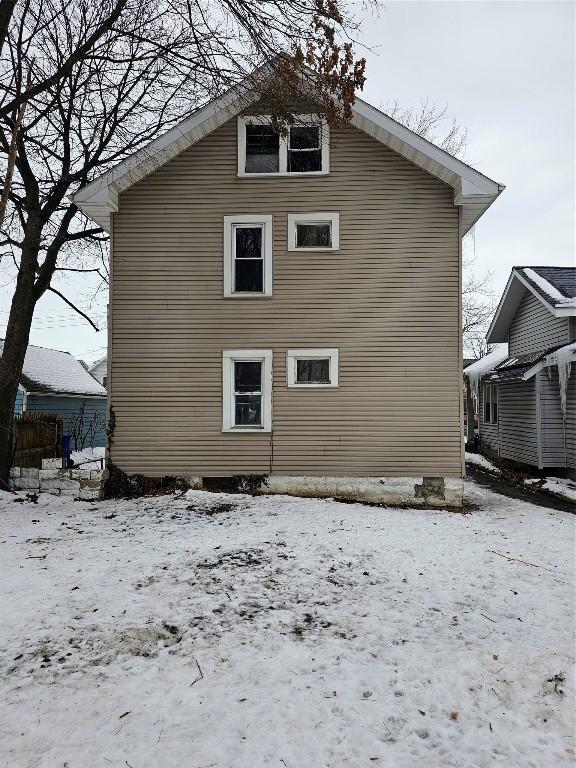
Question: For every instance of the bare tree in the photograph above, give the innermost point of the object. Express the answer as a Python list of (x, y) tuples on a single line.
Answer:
[(84, 427), (108, 78), (433, 123), (477, 308)]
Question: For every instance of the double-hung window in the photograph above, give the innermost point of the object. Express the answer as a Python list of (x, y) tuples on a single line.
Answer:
[(312, 367), (302, 150), (313, 231), (490, 404), (247, 256), (247, 390)]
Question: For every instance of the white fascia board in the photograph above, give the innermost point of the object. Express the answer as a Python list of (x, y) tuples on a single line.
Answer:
[(99, 198), (507, 308), (472, 181)]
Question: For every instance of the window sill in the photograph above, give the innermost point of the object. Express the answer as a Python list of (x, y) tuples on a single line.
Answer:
[(247, 295), (313, 386), (246, 430), (313, 250), (285, 175)]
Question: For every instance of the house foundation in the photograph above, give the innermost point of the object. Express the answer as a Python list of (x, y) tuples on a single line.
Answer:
[(444, 492)]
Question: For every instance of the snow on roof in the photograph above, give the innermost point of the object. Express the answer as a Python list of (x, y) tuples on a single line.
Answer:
[(557, 287), (486, 364), (48, 370)]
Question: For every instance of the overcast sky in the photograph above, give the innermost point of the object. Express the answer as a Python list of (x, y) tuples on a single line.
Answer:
[(506, 71)]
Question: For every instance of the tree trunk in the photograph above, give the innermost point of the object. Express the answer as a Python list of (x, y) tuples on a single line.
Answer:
[(16, 341)]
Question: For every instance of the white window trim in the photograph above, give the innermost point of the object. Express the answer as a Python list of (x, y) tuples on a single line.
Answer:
[(229, 222), (307, 354), (283, 153), (229, 356), (314, 218)]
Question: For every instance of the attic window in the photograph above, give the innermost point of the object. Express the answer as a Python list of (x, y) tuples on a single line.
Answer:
[(262, 149), (303, 150)]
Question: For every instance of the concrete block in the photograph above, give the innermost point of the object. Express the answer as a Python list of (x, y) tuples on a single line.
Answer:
[(64, 474), (61, 485), (80, 474), (28, 484), (99, 474), (15, 472), (69, 494), (47, 474), (29, 472), (52, 463), (90, 494)]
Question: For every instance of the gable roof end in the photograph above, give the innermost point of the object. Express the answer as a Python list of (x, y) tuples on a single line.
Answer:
[(554, 287), (473, 191)]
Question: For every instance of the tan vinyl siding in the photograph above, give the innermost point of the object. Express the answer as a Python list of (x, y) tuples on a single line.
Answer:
[(388, 300), (517, 421), (535, 328)]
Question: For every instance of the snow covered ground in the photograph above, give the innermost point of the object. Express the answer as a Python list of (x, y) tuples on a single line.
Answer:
[(558, 486), (230, 631)]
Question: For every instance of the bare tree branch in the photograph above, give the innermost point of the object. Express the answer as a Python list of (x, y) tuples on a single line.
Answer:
[(73, 306)]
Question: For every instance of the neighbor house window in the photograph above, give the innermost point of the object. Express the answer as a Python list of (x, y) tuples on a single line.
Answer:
[(303, 149), (490, 404), (313, 231), (312, 367), (247, 256), (247, 390)]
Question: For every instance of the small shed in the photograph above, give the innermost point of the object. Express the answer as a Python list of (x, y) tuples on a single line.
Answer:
[(55, 382)]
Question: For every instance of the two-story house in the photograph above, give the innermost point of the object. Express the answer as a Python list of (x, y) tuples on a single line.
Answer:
[(527, 396), (288, 305)]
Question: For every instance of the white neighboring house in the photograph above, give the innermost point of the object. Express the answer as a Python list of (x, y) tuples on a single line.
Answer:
[(99, 370)]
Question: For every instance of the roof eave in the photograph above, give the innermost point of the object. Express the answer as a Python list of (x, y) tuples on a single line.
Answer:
[(473, 191)]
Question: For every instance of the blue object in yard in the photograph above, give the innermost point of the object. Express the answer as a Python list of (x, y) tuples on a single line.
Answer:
[(66, 447)]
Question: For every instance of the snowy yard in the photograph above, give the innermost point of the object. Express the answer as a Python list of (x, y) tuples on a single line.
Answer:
[(230, 631)]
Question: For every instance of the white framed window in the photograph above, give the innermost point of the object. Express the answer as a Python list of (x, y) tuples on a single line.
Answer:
[(247, 390), (247, 256), (312, 367), (490, 404), (303, 151), (313, 231)]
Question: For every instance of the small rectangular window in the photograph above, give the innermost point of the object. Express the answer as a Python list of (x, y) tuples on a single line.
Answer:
[(313, 371), (312, 367), (313, 231), (247, 390), (247, 256), (304, 149), (262, 149), (314, 235)]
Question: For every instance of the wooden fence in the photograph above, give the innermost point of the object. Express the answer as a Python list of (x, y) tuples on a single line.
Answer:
[(37, 436)]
